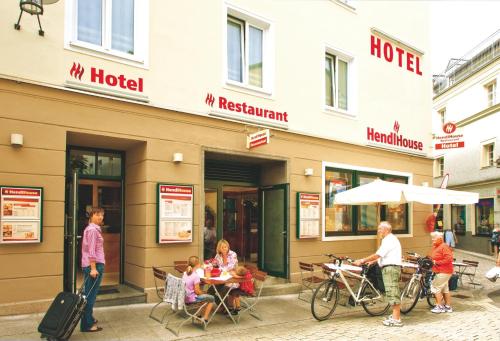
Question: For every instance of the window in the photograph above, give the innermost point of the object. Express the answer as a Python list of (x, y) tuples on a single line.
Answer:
[(458, 218), (247, 55), (360, 219), (491, 92), (116, 27), (92, 163), (438, 226), (487, 157), (439, 167), (442, 116), (484, 217), (336, 77)]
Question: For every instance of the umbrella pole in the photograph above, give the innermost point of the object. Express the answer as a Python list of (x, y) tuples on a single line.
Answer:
[(378, 223)]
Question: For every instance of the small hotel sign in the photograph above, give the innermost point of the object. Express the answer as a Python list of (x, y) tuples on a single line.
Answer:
[(452, 138), (258, 139)]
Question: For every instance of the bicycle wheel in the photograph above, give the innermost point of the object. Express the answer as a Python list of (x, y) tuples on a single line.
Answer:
[(373, 307), (431, 300), (410, 295), (324, 300)]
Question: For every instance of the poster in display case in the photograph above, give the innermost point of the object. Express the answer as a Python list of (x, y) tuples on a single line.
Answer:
[(174, 214), (308, 215), (21, 214)]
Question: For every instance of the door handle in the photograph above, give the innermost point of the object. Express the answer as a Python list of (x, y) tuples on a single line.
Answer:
[(283, 233), (78, 237)]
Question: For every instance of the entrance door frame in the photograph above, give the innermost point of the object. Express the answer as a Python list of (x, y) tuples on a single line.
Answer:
[(120, 178)]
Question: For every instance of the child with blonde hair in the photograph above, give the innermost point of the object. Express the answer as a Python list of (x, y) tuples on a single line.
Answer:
[(194, 293), (245, 288)]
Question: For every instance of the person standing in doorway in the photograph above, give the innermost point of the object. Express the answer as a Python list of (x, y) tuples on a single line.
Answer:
[(93, 267), (389, 257), (450, 237)]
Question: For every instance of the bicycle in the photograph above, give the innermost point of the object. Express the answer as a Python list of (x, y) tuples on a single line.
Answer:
[(326, 296), (419, 286)]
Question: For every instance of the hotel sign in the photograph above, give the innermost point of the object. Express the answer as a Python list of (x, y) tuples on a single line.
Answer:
[(452, 138)]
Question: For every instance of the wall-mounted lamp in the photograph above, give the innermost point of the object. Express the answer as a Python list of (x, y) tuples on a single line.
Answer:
[(308, 171), (16, 140), (498, 162), (33, 7), (178, 157)]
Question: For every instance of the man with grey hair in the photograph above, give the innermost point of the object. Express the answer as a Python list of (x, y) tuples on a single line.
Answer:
[(442, 257), (389, 257)]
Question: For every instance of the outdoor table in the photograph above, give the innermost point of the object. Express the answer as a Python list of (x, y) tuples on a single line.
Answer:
[(462, 268), (219, 281)]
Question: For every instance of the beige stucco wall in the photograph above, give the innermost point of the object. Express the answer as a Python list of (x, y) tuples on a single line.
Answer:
[(49, 119)]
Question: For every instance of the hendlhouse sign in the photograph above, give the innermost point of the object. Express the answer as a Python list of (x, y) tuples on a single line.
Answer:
[(259, 138)]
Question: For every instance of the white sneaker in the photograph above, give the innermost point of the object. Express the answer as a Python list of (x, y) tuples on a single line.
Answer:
[(390, 322), (448, 309), (438, 309)]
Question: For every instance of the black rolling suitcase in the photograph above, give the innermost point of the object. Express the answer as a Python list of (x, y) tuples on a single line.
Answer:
[(63, 315)]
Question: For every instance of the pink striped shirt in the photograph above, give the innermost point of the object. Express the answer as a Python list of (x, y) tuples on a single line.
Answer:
[(92, 245)]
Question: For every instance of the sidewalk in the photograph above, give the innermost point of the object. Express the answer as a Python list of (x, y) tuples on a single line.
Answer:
[(286, 317)]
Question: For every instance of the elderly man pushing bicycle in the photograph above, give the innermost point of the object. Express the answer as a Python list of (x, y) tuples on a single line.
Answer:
[(389, 259)]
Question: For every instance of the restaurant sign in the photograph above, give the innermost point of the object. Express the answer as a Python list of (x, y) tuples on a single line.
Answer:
[(174, 222), (452, 138), (21, 214), (247, 112), (259, 138)]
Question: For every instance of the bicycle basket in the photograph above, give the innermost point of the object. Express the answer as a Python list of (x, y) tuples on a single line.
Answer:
[(425, 263)]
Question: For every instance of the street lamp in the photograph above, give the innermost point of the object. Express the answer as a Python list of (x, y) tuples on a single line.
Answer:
[(33, 7), (498, 162)]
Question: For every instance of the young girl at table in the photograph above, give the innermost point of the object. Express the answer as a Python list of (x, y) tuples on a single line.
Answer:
[(243, 288), (194, 293)]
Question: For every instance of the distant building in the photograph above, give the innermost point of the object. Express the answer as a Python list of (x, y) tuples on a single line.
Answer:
[(466, 94)]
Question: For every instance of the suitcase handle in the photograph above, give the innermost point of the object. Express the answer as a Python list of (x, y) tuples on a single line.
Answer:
[(82, 288)]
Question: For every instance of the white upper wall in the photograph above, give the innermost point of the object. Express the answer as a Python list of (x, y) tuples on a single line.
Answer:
[(180, 60)]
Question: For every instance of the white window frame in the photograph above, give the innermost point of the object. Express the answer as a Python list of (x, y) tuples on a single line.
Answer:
[(442, 117), (493, 92), (141, 34), (351, 83), (326, 164), (439, 166), (487, 160), (267, 27)]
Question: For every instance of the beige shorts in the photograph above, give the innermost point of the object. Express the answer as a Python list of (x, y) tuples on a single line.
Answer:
[(440, 283)]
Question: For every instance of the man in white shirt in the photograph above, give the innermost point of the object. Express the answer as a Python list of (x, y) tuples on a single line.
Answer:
[(389, 259)]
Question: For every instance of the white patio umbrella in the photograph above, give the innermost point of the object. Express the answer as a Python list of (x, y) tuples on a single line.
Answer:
[(381, 192), (384, 192)]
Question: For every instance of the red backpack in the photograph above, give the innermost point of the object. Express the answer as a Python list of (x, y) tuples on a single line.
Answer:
[(247, 286)]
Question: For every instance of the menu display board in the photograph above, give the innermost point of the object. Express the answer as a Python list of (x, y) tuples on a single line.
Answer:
[(21, 214), (174, 214), (308, 215)]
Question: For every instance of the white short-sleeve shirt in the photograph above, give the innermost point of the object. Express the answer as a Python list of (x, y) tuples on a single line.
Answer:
[(390, 251)]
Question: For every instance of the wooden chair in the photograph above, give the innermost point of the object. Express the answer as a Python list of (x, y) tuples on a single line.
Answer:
[(160, 278), (251, 267), (249, 302), (471, 270), (180, 266), (309, 280)]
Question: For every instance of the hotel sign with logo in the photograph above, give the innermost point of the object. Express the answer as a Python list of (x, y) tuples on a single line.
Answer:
[(393, 139), (101, 81), (452, 138)]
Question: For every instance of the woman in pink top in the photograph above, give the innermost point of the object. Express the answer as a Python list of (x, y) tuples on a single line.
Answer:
[(93, 266)]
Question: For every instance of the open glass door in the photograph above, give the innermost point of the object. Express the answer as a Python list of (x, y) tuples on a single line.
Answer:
[(70, 233), (273, 239)]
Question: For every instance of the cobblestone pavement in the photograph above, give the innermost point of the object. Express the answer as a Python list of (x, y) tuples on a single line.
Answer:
[(475, 317)]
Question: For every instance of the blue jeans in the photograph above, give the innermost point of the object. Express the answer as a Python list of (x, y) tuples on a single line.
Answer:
[(90, 283)]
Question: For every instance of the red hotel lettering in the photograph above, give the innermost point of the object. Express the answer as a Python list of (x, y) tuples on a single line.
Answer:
[(393, 139), (251, 110), (412, 62), (111, 80)]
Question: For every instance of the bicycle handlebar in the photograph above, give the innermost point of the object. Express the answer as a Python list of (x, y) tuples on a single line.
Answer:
[(341, 258)]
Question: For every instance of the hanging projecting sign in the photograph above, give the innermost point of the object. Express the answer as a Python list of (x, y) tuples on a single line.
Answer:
[(174, 214), (258, 139), (21, 214), (308, 215), (452, 138)]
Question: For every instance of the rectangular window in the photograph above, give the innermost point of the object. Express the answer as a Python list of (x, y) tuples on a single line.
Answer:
[(246, 52), (458, 218), (359, 219), (491, 92), (95, 163), (487, 157), (439, 167), (442, 116), (117, 27), (484, 217), (336, 77)]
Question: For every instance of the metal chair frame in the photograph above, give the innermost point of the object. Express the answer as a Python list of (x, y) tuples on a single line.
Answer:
[(249, 302), (159, 275), (308, 279)]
